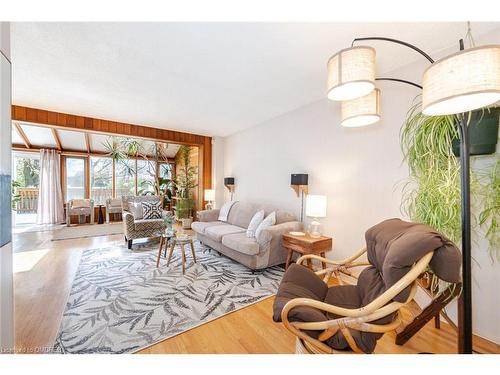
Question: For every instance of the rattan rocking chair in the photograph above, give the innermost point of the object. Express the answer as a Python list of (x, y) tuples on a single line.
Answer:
[(334, 325)]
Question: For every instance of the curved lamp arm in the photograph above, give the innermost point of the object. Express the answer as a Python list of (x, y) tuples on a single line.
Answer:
[(397, 41)]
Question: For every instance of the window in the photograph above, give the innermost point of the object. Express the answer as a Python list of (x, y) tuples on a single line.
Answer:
[(25, 181), (146, 177), (75, 178), (26, 170), (125, 171), (101, 179), (165, 171)]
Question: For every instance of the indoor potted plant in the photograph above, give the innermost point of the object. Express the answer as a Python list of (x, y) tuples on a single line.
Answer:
[(432, 193), (184, 182)]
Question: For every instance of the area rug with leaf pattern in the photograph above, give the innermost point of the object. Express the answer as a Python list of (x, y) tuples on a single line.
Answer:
[(120, 302)]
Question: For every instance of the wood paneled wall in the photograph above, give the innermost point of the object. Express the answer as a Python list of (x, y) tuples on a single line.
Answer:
[(93, 125)]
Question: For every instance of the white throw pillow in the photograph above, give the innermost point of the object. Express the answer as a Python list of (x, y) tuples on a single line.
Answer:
[(254, 223), (136, 209), (269, 221)]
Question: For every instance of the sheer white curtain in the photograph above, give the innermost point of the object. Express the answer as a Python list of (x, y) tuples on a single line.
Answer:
[(50, 201)]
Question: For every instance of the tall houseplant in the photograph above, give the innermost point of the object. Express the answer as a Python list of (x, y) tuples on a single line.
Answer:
[(184, 182)]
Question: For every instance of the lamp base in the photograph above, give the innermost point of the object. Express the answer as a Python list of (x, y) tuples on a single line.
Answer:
[(315, 229)]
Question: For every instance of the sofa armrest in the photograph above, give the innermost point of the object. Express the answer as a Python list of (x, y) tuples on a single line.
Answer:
[(271, 237), (208, 215)]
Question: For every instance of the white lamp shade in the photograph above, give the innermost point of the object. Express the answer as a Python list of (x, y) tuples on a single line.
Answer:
[(462, 82), (361, 111), (209, 195), (316, 206), (351, 73)]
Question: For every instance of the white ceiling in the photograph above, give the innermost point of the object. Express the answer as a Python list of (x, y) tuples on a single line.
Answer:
[(206, 78)]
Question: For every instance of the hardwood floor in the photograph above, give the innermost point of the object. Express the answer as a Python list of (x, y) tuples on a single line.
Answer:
[(42, 282)]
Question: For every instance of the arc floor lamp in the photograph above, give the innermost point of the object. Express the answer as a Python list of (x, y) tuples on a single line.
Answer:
[(454, 85)]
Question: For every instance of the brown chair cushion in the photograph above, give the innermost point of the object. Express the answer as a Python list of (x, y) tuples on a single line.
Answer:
[(394, 245), (300, 282)]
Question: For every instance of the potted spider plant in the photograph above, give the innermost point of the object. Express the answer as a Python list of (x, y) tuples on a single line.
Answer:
[(431, 195)]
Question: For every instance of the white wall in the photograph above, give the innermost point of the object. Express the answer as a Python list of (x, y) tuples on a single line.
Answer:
[(360, 170), (357, 169), (6, 293)]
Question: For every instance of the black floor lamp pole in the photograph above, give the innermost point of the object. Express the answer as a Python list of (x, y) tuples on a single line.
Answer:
[(465, 303)]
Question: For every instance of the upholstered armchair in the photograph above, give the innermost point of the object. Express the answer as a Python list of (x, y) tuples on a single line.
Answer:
[(351, 318), (113, 206), (134, 222), (81, 208)]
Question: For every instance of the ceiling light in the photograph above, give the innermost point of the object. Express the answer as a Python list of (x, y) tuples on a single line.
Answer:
[(351, 73), (361, 111), (462, 82)]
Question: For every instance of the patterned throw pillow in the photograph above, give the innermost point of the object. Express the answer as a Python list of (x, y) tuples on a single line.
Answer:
[(151, 210)]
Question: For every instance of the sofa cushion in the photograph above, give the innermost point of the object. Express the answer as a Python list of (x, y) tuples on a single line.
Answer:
[(80, 203), (80, 211), (240, 242), (141, 225), (241, 214), (284, 217), (200, 226), (218, 231)]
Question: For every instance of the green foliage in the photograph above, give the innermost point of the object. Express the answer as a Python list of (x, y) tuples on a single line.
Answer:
[(115, 148), (185, 182), (183, 207), (432, 194), (27, 171), (489, 218), (16, 197), (122, 149)]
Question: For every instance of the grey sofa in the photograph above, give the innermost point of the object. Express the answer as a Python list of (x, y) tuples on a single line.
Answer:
[(229, 238)]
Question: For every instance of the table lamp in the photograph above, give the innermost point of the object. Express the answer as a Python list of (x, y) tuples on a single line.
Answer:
[(315, 208), (209, 197)]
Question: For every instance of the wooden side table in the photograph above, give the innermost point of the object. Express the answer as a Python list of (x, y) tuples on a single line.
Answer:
[(181, 242), (306, 245)]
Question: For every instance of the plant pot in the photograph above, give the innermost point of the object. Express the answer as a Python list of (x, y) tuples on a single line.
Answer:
[(186, 223), (483, 133)]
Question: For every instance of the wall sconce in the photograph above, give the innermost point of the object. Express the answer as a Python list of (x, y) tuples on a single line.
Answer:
[(299, 183), (229, 184)]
